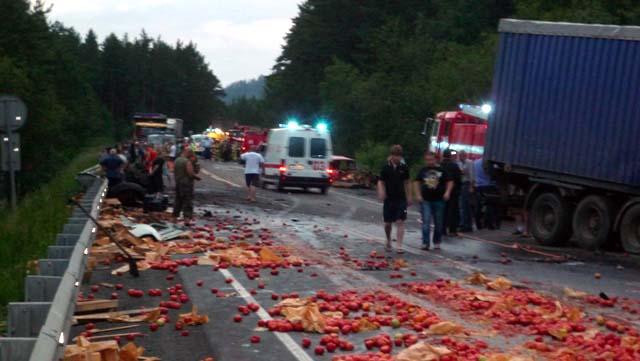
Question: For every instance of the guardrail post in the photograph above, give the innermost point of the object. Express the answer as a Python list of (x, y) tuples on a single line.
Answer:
[(66, 239), (26, 318), (52, 267), (16, 348), (73, 228), (60, 252), (40, 288)]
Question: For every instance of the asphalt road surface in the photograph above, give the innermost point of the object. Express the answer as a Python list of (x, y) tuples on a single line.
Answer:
[(323, 229)]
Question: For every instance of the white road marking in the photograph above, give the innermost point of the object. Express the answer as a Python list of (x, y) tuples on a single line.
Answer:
[(285, 338), (215, 177)]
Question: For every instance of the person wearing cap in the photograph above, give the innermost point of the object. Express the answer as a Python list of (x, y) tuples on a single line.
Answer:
[(452, 209), (393, 190)]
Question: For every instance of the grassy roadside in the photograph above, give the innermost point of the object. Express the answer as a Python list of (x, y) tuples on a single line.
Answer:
[(26, 233)]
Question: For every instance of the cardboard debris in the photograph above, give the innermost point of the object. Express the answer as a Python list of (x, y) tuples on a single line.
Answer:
[(445, 328), (193, 318), (571, 293), (95, 305), (305, 311), (422, 351), (85, 350), (116, 314), (499, 284), (478, 278)]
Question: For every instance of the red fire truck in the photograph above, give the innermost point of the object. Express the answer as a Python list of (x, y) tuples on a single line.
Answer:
[(458, 130)]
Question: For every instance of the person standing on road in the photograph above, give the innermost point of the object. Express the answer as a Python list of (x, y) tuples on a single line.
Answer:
[(433, 187), (394, 191), (185, 176), (156, 181), (207, 143), (113, 166), (452, 209), (466, 166), (252, 164), (487, 195)]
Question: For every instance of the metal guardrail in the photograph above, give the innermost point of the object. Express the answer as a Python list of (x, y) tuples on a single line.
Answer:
[(53, 290), (55, 332)]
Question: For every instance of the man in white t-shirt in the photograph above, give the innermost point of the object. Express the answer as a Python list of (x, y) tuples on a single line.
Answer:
[(252, 163)]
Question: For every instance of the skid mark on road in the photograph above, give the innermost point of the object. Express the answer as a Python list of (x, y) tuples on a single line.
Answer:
[(285, 338)]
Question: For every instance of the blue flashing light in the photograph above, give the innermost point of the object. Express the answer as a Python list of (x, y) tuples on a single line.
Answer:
[(322, 127), (292, 124)]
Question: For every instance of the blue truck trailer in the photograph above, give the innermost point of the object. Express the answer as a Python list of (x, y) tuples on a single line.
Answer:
[(565, 129)]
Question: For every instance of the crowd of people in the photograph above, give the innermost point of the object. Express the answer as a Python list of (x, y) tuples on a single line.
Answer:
[(150, 165), (453, 195)]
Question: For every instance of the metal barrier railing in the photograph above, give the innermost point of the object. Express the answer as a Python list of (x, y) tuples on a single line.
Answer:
[(55, 331)]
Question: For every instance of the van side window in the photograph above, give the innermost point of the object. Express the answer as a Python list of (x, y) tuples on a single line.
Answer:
[(296, 147), (318, 148)]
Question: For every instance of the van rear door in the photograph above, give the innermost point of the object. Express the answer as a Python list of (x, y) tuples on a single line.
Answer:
[(319, 157)]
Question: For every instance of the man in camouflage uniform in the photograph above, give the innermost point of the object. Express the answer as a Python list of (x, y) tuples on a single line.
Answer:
[(185, 173)]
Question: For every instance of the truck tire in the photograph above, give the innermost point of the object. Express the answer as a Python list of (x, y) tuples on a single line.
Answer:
[(630, 230), (550, 219), (324, 190), (593, 222)]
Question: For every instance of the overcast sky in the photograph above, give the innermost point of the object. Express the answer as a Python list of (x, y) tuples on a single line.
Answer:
[(239, 38)]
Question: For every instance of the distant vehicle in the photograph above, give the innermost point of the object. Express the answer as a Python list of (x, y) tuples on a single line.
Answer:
[(298, 156), (146, 124), (343, 171), (457, 130), (565, 131), (346, 173), (217, 134), (161, 139), (175, 126), (253, 138), (197, 139)]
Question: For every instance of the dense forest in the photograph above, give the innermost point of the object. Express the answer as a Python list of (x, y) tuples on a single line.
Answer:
[(77, 88), (378, 68)]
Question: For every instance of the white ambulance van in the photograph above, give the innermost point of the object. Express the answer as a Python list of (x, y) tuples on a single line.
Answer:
[(298, 156)]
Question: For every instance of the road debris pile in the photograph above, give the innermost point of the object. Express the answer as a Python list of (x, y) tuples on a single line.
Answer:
[(558, 330), (85, 350)]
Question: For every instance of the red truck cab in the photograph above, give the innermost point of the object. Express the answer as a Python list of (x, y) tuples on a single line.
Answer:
[(458, 131)]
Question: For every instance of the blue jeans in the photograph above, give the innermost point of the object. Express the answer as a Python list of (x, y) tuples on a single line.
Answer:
[(432, 210)]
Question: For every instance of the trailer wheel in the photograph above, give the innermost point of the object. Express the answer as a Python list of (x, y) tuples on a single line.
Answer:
[(550, 219), (630, 230), (592, 222)]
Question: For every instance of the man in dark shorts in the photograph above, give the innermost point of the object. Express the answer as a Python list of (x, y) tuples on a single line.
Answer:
[(252, 165), (394, 191)]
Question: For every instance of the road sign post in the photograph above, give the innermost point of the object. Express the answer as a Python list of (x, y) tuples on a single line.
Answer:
[(13, 115)]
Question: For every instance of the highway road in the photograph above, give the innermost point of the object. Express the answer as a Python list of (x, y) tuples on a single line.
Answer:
[(331, 231)]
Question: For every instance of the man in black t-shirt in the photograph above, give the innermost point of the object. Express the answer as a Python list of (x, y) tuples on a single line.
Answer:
[(432, 186), (393, 190), (452, 209)]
